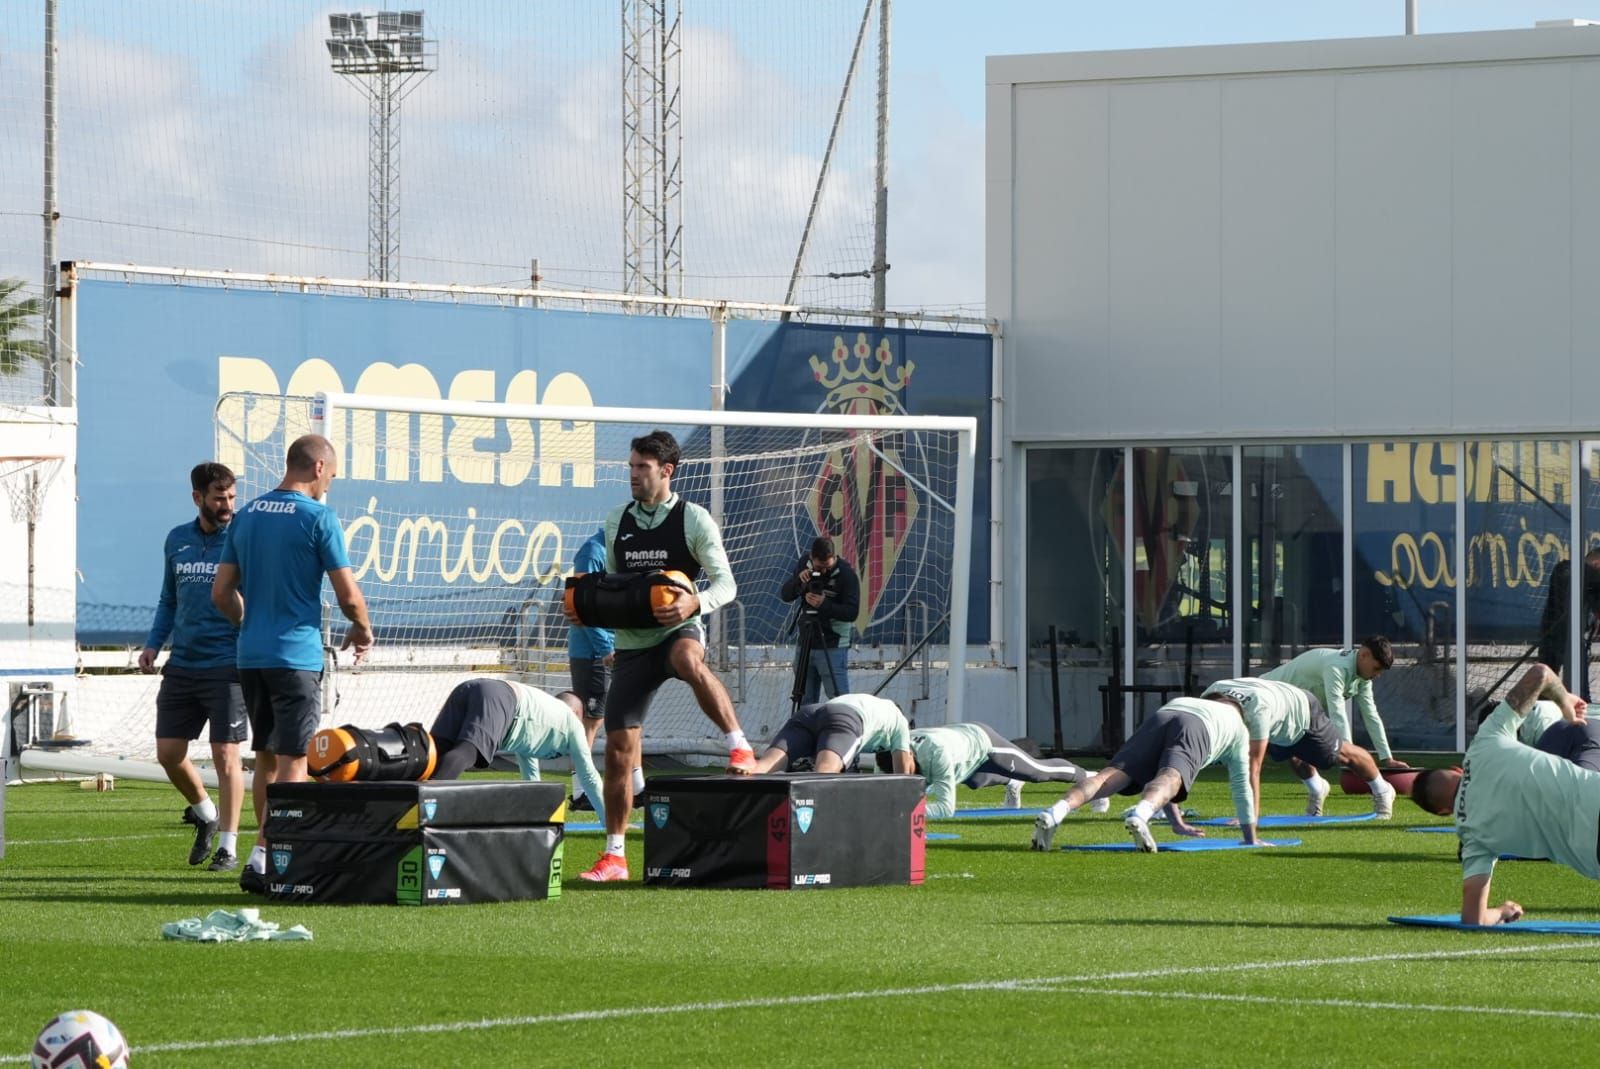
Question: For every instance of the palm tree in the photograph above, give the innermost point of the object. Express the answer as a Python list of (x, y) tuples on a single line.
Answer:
[(18, 314)]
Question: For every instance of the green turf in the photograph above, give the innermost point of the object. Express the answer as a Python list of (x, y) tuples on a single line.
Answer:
[(1004, 957)]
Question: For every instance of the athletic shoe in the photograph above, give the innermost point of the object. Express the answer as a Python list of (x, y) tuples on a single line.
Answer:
[(188, 817), (609, 868), (581, 804), (1100, 805), (1316, 793), (253, 882), (1044, 831), (742, 761), (1382, 798), (205, 837), (1139, 828), (223, 861), (1014, 794)]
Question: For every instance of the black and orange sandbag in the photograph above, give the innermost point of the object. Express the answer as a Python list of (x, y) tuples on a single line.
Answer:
[(351, 754), (623, 599)]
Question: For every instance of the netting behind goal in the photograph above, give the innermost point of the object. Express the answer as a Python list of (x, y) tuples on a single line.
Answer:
[(462, 522)]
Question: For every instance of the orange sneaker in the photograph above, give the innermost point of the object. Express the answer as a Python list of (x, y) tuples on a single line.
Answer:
[(742, 761), (610, 867)]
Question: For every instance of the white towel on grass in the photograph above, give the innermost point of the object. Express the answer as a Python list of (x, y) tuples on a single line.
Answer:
[(223, 926)]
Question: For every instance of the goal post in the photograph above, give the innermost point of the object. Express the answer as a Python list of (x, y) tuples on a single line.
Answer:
[(462, 519)]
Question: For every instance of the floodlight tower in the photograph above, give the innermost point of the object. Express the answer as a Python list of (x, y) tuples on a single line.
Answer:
[(652, 148), (385, 56)]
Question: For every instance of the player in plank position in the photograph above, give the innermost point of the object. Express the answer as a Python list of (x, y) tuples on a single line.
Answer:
[(1290, 724), (482, 717), (1160, 763), (977, 756), (835, 732), (1335, 676), (1509, 798)]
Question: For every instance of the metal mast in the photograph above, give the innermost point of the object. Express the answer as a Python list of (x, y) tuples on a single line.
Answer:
[(652, 148), (385, 56)]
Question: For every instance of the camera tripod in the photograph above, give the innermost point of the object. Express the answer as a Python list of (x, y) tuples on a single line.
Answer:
[(807, 626)]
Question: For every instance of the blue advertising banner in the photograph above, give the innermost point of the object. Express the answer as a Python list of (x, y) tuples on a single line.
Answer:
[(156, 358)]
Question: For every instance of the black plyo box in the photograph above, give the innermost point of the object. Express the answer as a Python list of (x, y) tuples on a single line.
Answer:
[(784, 831), (414, 843), (377, 809)]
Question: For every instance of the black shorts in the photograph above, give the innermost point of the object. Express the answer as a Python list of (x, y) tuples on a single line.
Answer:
[(636, 675), (1578, 743), (285, 706), (590, 680), (1168, 738), (1318, 747), (189, 699), (479, 711), (814, 728)]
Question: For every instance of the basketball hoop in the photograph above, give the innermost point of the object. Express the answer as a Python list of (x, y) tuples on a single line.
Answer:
[(27, 480)]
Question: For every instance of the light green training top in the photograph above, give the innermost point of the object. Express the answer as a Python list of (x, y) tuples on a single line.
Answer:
[(883, 725), (1517, 800), (1543, 716), (705, 542), (946, 756), (1332, 677), (543, 728), (1230, 747), (1277, 712)]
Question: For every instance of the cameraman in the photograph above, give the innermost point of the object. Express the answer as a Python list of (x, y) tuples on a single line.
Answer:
[(832, 594)]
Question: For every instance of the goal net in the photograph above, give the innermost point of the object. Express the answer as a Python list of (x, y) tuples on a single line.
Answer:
[(462, 520)]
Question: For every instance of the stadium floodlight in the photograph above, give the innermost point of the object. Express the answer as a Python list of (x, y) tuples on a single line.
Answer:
[(384, 55)]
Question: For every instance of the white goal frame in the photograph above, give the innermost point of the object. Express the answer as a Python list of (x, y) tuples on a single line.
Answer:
[(327, 406)]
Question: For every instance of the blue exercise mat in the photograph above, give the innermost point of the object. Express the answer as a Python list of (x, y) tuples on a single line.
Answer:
[(1191, 846), (592, 826), (1440, 829), (1289, 820), (1452, 920), (989, 814), (940, 836)]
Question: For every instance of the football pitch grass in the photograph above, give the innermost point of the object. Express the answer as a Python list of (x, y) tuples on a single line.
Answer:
[(1004, 956)]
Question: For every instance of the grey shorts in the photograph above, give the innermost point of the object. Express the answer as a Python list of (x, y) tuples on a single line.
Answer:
[(590, 681), (189, 699), (814, 728), (1318, 747), (1168, 738), (479, 711), (1578, 743), (636, 675), (285, 706)]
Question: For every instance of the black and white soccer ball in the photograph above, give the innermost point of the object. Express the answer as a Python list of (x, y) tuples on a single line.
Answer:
[(80, 1039)]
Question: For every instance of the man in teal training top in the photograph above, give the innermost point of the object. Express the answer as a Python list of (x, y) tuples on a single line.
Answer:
[(1335, 676)]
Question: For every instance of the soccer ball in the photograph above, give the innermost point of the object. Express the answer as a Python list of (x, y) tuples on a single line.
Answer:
[(80, 1039)]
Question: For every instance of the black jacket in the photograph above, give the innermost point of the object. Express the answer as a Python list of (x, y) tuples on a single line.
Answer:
[(842, 582)]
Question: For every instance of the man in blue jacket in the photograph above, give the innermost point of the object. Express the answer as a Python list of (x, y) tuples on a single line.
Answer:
[(590, 651), (200, 683)]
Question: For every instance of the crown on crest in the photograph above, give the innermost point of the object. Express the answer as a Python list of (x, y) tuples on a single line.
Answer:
[(860, 372)]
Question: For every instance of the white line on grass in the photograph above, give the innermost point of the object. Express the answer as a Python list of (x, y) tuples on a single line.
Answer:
[(1323, 1003), (576, 1016), (95, 839)]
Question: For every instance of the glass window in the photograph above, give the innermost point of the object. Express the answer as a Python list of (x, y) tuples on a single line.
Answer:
[(1293, 527), (1074, 584), (1404, 585)]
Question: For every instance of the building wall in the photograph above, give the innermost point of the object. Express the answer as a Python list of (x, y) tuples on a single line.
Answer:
[(1317, 239)]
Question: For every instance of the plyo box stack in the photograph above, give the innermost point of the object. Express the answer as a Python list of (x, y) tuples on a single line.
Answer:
[(797, 831), (414, 843)]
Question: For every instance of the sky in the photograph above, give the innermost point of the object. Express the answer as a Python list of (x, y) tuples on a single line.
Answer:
[(214, 135)]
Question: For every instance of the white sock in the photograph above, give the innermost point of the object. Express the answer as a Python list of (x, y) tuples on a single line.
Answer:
[(1060, 810), (1144, 810), (737, 741), (1376, 786), (205, 809), (258, 859), (638, 781), (227, 840), (614, 845), (1311, 783)]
